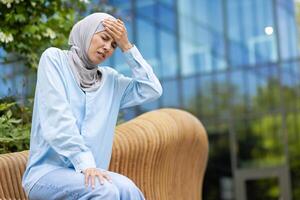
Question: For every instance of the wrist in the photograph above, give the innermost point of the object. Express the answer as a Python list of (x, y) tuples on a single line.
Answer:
[(126, 47)]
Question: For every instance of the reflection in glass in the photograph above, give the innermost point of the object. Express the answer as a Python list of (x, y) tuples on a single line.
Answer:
[(206, 103), (149, 106), (239, 92), (219, 166), (166, 17), (268, 93), (168, 53), (224, 94), (260, 141), (146, 43), (293, 130), (190, 95), (146, 8), (248, 42), (170, 97), (168, 2), (287, 29), (202, 42), (263, 189), (290, 80)]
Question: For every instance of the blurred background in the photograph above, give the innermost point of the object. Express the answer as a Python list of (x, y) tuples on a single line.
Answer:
[(232, 63)]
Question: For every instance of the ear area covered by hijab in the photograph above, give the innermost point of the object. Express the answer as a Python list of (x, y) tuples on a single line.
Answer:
[(85, 72)]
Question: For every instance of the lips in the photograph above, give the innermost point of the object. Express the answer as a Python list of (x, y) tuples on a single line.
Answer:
[(102, 55)]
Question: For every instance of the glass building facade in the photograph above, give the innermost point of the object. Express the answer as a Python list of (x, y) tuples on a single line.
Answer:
[(235, 65)]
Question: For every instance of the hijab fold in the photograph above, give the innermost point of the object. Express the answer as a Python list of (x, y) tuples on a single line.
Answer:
[(87, 74)]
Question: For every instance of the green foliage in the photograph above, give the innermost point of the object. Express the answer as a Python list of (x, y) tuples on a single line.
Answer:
[(29, 27), (15, 127)]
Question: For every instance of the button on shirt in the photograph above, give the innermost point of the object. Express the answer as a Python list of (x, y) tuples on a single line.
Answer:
[(74, 129)]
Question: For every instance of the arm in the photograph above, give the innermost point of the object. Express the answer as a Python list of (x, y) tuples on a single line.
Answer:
[(143, 86), (58, 123)]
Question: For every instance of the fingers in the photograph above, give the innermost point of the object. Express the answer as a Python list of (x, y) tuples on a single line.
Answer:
[(113, 25), (118, 32), (106, 176), (86, 179), (115, 28), (118, 24), (92, 174), (93, 180), (115, 34)]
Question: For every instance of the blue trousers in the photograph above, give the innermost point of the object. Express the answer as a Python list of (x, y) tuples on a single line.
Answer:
[(66, 184)]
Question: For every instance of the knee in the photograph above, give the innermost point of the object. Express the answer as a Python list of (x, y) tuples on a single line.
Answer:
[(112, 191), (126, 185), (107, 191)]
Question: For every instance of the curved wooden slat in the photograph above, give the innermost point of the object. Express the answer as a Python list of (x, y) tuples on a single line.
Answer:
[(164, 152)]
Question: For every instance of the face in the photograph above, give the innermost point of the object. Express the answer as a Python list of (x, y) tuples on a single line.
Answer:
[(102, 47)]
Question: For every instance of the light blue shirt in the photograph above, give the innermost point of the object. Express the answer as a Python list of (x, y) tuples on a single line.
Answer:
[(74, 129)]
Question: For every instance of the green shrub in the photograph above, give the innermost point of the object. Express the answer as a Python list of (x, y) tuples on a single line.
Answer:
[(15, 124)]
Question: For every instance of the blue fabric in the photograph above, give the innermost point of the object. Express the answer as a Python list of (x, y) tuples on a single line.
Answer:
[(64, 184), (73, 129)]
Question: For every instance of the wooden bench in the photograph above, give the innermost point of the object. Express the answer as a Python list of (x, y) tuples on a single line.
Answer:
[(163, 151)]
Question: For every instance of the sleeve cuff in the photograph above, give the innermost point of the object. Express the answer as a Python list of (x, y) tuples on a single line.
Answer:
[(82, 161), (133, 56)]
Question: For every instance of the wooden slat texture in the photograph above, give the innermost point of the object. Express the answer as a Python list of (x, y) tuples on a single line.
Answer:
[(164, 152)]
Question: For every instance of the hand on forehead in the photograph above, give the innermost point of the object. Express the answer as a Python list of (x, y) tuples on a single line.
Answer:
[(113, 26), (117, 30)]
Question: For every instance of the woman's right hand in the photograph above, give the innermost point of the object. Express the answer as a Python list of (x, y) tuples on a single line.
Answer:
[(90, 175)]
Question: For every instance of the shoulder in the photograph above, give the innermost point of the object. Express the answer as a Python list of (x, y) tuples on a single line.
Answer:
[(51, 60), (52, 53), (109, 70)]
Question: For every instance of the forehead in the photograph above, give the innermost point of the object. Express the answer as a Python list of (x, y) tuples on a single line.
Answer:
[(104, 33)]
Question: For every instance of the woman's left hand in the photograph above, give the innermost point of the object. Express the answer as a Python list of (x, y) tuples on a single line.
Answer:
[(118, 31)]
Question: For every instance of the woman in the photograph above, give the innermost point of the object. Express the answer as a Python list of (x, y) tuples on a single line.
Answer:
[(75, 112)]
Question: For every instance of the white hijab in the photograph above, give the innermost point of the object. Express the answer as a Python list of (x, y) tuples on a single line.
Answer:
[(85, 72)]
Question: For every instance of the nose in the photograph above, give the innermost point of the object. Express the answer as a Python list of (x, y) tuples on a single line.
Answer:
[(107, 47)]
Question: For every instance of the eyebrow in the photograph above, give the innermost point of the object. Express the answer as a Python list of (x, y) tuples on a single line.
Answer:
[(107, 35)]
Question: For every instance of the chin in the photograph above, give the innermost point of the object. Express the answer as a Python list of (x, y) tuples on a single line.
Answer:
[(101, 61), (97, 61)]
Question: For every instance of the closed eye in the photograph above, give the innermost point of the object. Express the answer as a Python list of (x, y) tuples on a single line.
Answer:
[(114, 45), (105, 38)]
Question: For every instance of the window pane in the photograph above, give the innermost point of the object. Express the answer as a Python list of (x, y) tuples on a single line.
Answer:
[(166, 17), (251, 33), (268, 89), (259, 141), (149, 106), (206, 102), (264, 89), (263, 189), (290, 79), (239, 92), (201, 34), (146, 43), (146, 8), (218, 177), (222, 96), (189, 94), (293, 129), (168, 52), (170, 95), (168, 2), (287, 27)]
